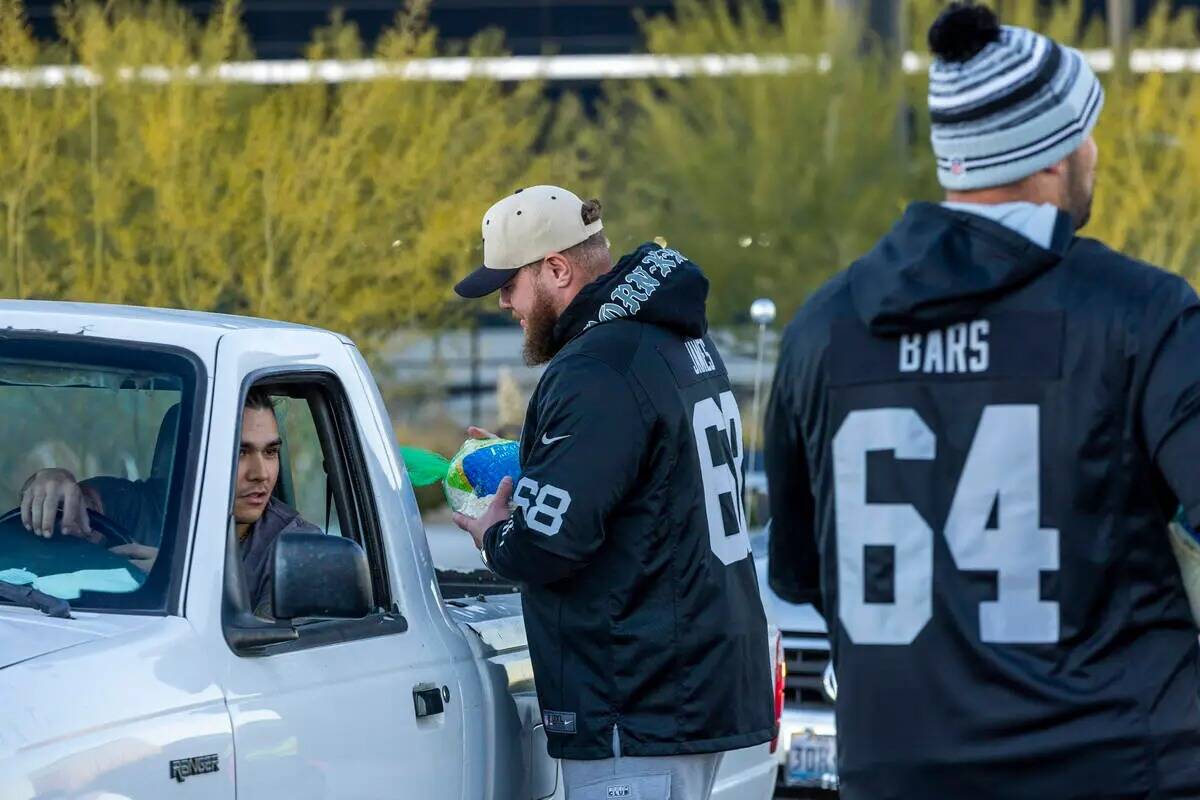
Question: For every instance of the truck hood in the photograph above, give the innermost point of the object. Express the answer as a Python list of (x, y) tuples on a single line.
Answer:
[(26, 633)]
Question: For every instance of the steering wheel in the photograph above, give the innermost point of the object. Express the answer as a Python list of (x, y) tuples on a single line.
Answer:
[(113, 533)]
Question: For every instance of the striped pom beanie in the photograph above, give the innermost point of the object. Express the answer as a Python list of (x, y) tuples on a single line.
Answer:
[(1004, 102)]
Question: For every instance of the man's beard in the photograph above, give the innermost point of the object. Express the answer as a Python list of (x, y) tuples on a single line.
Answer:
[(1079, 194), (540, 346)]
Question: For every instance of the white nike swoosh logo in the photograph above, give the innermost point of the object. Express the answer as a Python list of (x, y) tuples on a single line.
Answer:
[(547, 440)]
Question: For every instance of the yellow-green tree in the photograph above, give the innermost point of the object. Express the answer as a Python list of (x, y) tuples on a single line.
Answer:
[(774, 182), (354, 206), (348, 206), (770, 182), (1148, 189)]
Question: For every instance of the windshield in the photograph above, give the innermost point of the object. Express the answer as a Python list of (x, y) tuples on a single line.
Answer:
[(92, 458)]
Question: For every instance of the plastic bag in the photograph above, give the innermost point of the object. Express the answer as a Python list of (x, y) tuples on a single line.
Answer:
[(471, 476)]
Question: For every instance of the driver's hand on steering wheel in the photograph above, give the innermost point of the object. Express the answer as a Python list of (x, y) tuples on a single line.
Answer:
[(49, 489)]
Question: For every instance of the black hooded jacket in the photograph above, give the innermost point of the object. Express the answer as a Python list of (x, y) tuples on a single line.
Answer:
[(974, 445), (640, 596)]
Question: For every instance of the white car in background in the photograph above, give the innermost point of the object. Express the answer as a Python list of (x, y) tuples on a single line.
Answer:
[(807, 753)]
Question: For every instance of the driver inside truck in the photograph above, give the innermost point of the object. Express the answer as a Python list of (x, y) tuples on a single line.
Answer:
[(138, 507)]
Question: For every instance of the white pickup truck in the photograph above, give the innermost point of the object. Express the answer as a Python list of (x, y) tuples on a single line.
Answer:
[(152, 678)]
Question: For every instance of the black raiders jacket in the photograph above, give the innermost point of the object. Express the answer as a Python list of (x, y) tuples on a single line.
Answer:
[(640, 595), (974, 445)]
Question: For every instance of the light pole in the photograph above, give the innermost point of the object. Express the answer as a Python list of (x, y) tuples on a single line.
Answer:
[(762, 314), (1120, 25)]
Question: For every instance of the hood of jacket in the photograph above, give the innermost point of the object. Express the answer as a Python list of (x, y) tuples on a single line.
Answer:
[(938, 266), (652, 284)]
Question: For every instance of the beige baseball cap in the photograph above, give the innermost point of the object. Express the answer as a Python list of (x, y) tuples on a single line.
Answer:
[(523, 228)]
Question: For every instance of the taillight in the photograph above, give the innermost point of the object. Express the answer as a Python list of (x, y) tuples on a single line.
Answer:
[(780, 680)]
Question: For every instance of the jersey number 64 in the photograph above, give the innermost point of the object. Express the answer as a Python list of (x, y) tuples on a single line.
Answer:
[(1002, 470)]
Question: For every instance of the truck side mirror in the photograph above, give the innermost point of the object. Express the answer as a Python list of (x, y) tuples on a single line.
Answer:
[(317, 575)]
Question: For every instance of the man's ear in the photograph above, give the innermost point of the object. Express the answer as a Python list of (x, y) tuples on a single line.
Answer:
[(560, 270), (1057, 168)]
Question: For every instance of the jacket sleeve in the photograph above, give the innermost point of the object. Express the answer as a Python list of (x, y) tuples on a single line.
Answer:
[(793, 563), (589, 441), (1170, 401)]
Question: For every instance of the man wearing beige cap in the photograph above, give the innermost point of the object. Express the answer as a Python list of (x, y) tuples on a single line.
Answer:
[(645, 627)]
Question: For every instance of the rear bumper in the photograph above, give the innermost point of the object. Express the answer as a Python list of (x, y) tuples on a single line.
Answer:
[(800, 720)]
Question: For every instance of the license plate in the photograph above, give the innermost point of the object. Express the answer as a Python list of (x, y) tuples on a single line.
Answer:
[(812, 761)]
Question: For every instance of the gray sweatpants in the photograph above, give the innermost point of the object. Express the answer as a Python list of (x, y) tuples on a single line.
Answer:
[(641, 778)]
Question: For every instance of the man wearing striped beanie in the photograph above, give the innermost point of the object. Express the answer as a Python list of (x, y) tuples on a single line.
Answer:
[(977, 435), (1011, 116)]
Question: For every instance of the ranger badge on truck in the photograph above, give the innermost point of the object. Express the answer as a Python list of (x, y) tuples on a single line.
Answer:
[(182, 768)]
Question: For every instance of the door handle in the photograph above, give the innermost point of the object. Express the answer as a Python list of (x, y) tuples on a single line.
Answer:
[(428, 700)]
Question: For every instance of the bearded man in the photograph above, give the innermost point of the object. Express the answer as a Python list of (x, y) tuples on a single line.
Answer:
[(646, 631)]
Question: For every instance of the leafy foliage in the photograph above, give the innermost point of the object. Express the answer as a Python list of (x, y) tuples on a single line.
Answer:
[(354, 206), (1147, 198), (348, 207), (773, 183)]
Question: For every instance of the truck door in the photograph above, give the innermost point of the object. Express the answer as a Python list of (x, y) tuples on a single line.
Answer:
[(351, 708)]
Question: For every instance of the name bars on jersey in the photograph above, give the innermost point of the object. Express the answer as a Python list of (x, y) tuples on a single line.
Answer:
[(958, 348)]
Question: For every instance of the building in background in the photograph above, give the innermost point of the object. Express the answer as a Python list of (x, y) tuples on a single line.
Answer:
[(280, 29)]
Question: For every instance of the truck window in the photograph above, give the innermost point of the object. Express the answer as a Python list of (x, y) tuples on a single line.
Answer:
[(100, 430), (304, 466), (322, 483)]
